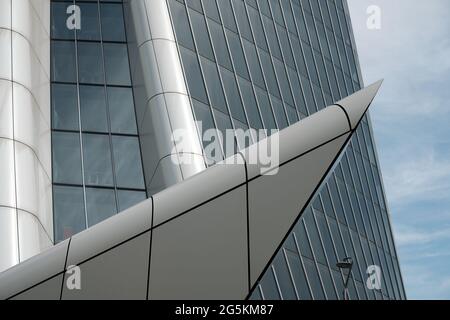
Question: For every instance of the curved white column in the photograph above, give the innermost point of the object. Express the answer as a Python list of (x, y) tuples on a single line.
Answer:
[(162, 102), (26, 221)]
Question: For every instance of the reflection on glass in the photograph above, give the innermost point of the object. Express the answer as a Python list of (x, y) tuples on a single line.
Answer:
[(68, 206), (90, 29), (66, 158), (93, 109), (90, 63), (127, 199), (121, 110), (97, 160), (113, 28), (64, 107), (63, 61), (127, 160), (100, 205), (116, 64)]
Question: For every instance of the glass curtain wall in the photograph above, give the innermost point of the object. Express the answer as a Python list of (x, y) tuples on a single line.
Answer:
[(97, 166), (268, 64)]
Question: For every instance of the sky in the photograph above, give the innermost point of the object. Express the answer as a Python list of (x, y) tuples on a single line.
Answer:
[(411, 122)]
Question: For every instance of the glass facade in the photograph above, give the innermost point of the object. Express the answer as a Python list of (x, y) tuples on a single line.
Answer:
[(268, 64), (97, 166)]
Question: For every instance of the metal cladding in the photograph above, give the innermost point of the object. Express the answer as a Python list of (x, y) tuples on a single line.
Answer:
[(26, 219)]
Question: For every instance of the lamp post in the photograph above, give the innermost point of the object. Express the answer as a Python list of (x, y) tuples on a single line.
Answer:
[(346, 263)]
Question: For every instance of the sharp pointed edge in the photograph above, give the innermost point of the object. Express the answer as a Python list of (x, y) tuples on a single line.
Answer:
[(357, 104)]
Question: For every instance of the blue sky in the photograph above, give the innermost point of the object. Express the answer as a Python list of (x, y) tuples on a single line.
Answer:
[(411, 121)]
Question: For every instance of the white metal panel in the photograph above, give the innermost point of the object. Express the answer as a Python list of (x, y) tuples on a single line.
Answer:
[(120, 273), (33, 271), (202, 254)]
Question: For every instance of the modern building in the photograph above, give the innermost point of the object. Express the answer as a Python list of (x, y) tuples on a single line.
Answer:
[(87, 115)]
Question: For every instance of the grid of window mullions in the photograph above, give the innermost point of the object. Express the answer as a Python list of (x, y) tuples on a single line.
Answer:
[(383, 230), (257, 48), (365, 181), (320, 45), (387, 246), (304, 59), (104, 86), (362, 237), (342, 56), (220, 77), (284, 65), (233, 65), (227, 102), (339, 224)]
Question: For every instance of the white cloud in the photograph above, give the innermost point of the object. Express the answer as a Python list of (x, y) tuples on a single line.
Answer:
[(409, 236), (416, 177), (422, 283), (411, 116)]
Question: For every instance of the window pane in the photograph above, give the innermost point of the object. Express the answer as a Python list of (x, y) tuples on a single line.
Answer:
[(121, 110), (223, 124), (327, 282), (240, 64), (232, 93), (117, 64), (241, 17), (63, 61), (279, 113), (227, 14), (283, 277), (266, 110), (269, 286), (100, 205), (181, 24), (93, 109), (269, 74), (220, 45), (253, 62), (127, 199), (90, 28), (64, 107), (299, 276), (302, 238), (68, 206), (205, 122), (283, 81), (193, 75), (113, 28), (90, 62), (66, 158), (201, 34), (314, 237), (250, 104), (257, 28), (326, 238), (127, 160), (211, 10), (213, 84), (97, 160), (314, 279)]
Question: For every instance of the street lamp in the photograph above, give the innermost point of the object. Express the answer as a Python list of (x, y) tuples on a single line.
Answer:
[(346, 263)]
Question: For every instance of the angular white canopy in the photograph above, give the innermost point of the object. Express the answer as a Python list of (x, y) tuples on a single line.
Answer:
[(211, 236)]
